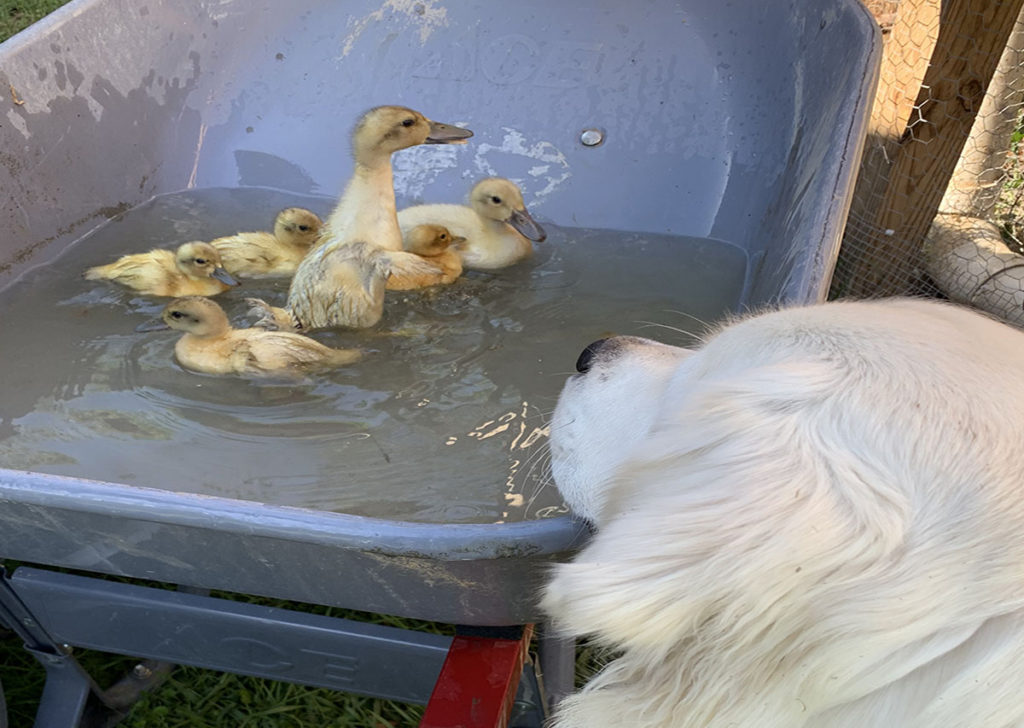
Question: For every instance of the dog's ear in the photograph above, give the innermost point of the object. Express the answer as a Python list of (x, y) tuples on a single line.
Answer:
[(746, 502)]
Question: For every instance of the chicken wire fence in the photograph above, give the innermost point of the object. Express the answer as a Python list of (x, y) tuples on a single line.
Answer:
[(938, 208)]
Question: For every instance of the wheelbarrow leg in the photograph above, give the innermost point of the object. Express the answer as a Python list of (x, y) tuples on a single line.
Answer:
[(65, 693), (479, 680), (68, 686), (557, 666)]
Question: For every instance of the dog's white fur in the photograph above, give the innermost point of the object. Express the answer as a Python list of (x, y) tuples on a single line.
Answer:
[(814, 520)]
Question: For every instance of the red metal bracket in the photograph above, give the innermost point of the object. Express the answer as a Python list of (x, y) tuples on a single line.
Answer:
[(479, 679)]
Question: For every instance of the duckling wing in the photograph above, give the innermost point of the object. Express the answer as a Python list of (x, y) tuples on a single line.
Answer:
[(268, 352), (340, 286), (410, 271), (451, 264)]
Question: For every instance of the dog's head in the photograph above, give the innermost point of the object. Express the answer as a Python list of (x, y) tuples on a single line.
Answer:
[(811, 519), (605, 412)]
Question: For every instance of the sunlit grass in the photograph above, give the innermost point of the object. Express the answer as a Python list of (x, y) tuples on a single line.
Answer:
[(16, 15)]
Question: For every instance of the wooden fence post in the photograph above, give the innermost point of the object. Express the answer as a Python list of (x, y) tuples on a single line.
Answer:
[(971, 38)]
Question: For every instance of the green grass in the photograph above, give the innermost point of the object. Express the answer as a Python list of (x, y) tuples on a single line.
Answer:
[(15, 15)]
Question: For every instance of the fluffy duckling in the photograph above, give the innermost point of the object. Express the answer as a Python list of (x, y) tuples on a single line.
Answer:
[(194, 269), (497, 227), (212, 346), (437, 245), (276, 254), (348, 291), (341, 281)]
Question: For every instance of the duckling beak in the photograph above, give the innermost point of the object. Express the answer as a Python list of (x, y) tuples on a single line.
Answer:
[(447, 134), (154, 325), (457, 241), (224, 277), (526, 225)]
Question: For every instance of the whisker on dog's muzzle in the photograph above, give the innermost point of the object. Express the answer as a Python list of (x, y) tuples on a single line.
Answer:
[(586, 357)]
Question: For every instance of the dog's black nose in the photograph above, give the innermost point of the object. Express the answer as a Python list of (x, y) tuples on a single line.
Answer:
[(587, 355)]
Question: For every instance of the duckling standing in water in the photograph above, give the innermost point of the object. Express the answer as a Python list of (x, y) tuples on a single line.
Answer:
[(194, 269), (497, 227), (437, 245), (341, 282), (268, 255), (212, 346)]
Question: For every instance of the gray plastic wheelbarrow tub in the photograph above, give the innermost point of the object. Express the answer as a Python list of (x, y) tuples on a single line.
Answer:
[(741, 121)]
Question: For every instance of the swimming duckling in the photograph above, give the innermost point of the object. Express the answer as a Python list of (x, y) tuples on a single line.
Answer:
[(341, 281), (266, 255), (349, 291), (436, 244), (194, 269), (212, 346), (497, 227)]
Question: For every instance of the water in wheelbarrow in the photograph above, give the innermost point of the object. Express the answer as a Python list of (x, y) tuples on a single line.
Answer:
[(444, 420)]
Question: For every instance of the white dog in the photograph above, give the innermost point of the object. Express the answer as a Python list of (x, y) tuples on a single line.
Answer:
[(814, 520)]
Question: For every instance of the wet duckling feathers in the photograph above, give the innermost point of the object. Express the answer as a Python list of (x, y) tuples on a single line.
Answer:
[(194, 269), (271, 254), (337, 287), (211, 345)]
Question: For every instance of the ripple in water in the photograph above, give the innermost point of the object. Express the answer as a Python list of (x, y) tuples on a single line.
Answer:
[(445, 420)]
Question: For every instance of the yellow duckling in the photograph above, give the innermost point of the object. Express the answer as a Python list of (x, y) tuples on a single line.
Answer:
[(437, 245), (497, 227), (341, 281), (266, 255), (194, 269), (212, 346)]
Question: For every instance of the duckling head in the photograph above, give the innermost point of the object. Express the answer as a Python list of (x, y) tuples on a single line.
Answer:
[(431, 240), (297, 225), (196, 315), (202, 260), (500, 199), (386, 129)]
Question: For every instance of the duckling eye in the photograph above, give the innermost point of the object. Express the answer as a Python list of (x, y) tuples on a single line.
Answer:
[(201, 261), (442, 236), (495, 199), (304, 228), (408, 122), (176, 314)]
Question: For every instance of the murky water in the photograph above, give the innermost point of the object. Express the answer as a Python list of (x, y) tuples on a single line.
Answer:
[(444, 420)]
